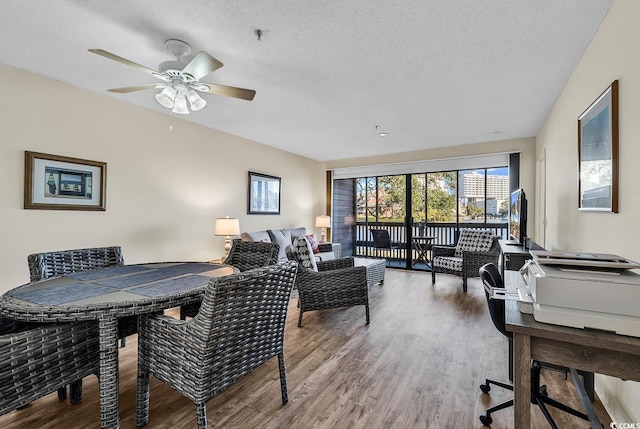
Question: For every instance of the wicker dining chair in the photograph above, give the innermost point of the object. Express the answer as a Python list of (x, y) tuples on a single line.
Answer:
[(327, 284), (239, 327), (244, 255), (38, 359), (51, 264)]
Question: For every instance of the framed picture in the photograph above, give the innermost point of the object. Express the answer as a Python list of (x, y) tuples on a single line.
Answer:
[(264, 194), (53, 182), (598, 153)]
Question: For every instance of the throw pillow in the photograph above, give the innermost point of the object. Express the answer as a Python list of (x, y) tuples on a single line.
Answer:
[(313, 242), (303, 253), (283, 238)]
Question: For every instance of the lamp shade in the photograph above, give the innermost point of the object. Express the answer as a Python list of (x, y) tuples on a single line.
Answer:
[(180, 105), (227, 226), (195, 100), (167, 97), (323, 221)]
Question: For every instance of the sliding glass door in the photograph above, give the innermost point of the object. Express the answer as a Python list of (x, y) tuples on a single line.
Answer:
[(398, 217)]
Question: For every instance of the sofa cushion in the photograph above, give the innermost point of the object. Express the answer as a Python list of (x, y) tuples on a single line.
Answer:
[(283, 238), (303, 254), (297, 231), (258, 236), (325, 256)]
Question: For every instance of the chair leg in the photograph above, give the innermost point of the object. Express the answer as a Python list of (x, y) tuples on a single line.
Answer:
[(142, 397), (464, 283), (75, 391), (62, 393), (201, 415), (123, 341), (300, 319), (283, 379), (546, 414), (366, 306), (433, 276)]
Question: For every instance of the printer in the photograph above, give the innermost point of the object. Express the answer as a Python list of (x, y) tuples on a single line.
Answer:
[(589, 294)]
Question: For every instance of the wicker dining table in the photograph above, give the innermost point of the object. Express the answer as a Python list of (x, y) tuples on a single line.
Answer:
[(105, 295)]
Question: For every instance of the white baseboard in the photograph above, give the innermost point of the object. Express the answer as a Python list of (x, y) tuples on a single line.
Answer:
[(605, 387)]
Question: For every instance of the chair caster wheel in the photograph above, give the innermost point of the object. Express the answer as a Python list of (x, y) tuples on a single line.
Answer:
[(486, 420), (485, 388)]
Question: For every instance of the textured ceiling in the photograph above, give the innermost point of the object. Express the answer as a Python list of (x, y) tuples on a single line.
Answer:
[(430, 73)]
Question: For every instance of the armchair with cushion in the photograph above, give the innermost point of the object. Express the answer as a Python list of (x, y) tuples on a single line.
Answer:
[(239, 327), (475, 248), (38, 359), (327, 284), (244, 255)]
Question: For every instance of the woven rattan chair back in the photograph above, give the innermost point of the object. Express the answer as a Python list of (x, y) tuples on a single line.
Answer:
[(239, 327), (244, 255), (51, 264), (37, 359), (247, 255)]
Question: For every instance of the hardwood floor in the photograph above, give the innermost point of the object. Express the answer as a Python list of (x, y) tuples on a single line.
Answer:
[(417, 365)]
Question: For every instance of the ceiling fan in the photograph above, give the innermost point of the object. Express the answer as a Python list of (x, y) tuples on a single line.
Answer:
[(181, 80)]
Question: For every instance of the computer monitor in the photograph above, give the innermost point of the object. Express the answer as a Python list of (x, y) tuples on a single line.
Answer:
[(517, 217)]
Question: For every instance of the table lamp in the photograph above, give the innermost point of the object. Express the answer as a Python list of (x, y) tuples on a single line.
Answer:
[(323, 222), (227, 226)]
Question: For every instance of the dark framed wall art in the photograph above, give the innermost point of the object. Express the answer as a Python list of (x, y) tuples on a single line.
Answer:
[(263, 195), (598, 153), (54, 182)]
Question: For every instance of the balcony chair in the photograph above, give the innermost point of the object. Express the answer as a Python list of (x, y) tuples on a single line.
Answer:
[(492, 279), (382, 239), (475, 248), (327, 284), (38, 359), (239, 327), (50, 264), (244, 255)]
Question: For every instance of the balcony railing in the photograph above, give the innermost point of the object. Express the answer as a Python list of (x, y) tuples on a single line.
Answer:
[(444, 233)]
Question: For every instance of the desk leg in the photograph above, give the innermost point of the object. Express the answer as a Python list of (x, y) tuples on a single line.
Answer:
[(522, 381), (109, 418)]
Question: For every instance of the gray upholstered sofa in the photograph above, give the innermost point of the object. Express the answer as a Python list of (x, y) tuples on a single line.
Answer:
[(284, 238)]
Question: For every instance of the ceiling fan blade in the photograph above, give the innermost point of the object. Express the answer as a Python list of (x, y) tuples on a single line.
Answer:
[(125, 61), (231, 91), (201, 65), (135, 88)]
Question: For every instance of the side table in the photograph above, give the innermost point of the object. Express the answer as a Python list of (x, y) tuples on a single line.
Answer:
[(375, 269)]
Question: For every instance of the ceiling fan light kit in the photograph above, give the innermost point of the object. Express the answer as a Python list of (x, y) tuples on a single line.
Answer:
[(182, 81)]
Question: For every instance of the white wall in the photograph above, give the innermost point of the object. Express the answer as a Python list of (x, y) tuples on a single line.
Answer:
[(613, 54), (164, 188)]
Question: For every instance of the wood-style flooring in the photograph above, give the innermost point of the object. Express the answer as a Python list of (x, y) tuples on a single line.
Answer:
[(417, 365)]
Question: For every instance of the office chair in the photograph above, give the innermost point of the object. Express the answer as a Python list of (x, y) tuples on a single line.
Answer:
[(492, 279)]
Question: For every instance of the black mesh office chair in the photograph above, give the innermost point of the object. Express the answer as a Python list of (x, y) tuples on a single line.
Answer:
[(492, 279)]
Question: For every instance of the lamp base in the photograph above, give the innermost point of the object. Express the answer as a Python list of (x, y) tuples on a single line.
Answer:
[(227, 247), (323, 236)]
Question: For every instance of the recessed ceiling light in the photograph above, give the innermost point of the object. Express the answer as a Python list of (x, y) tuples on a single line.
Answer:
[(382, 134)]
